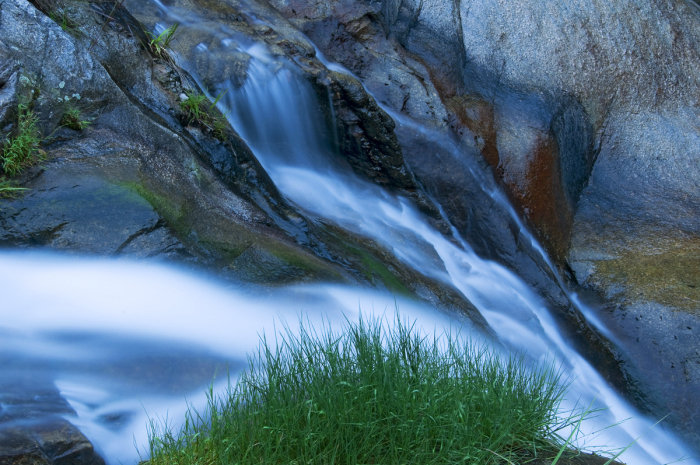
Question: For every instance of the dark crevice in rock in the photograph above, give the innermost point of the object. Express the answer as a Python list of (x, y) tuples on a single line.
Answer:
[(142, 232)]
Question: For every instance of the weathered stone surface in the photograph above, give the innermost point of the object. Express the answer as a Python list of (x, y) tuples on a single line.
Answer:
[(51, 441), (636, 241), (351, 33), (9, 77), (367, 136)]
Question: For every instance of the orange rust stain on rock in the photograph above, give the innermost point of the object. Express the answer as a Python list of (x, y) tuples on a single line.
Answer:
[(543, 199), (478, 116)]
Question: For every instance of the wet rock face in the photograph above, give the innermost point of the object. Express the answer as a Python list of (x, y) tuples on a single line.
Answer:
[(140, 179), (45, 442), (351, 33), (90, 215), (33, 430), (540, 152), (367, 136), (516, 133)]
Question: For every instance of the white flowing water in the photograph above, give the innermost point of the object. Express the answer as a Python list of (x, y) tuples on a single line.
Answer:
[(125, 341), (519, 317)]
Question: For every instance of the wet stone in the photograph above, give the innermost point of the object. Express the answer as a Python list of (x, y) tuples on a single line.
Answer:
[(32, 428), (49, 441)]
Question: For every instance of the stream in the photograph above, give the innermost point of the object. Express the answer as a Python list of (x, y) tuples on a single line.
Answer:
[(129, 342)]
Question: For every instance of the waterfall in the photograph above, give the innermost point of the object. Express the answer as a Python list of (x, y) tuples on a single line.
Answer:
[(517, 314), (98, 328)]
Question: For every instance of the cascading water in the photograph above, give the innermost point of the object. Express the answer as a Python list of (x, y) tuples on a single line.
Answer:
[(187, 328), (515, 312)]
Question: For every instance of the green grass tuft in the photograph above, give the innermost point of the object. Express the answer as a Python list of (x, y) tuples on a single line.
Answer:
[(372, 396), (22, 149), (160, 43), (73, 119), (198, 110)]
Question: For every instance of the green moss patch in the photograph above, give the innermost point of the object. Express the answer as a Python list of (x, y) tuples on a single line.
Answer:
[(374, 270), (669, 276), (167, 208)]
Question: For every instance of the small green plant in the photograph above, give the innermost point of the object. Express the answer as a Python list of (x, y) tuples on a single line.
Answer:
[(159, 43), (22, 149), (9, 189), (198, 110), (195, 107), (61, 18), (73, 119), (370, 396), (218, 128)]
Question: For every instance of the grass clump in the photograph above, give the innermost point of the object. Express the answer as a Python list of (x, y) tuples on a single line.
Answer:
[(198, 110), (372, 396), (22, 148), (73, 119), (160, 43)]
